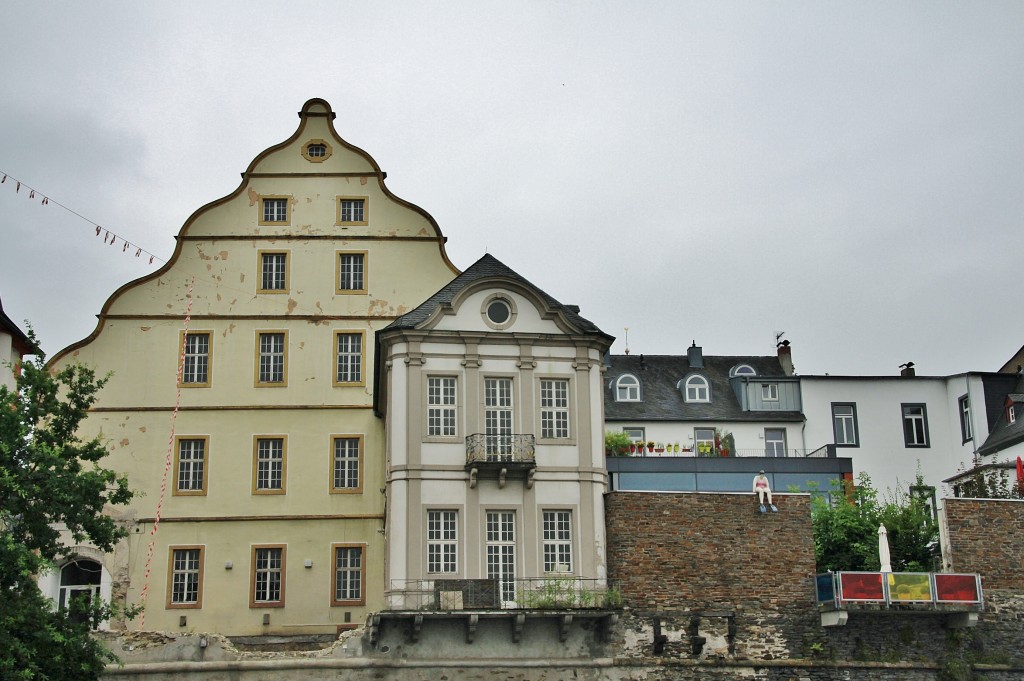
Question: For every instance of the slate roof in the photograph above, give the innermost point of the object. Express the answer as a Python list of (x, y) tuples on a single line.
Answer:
[(661, 400), (489, 267), (1005, 434)]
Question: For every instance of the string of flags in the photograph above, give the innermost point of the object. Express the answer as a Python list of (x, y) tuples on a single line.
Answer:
[(109, 237)]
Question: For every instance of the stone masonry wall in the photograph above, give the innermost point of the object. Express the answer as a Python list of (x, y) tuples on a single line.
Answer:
[(987, 536)]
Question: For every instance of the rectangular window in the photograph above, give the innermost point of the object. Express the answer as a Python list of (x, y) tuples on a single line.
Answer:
[(770, 392), (348, 454), (268, 576), (704, 441), (844, 424), (195, 359), (557, 541), (352, 210), (273, 272), (349, 575), (442, 542), (634, 434), (351, 272), (349, 358), (190, 466), (774, 442), (442, 402), (915, 425), (966, 428), (269, 459), (501, 552), (272, 360), (498, 417), (554, 408), (185, 588), (274, 210), (1011, 414)]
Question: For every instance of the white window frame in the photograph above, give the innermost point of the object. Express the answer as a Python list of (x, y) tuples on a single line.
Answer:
[(627, 388), (190, 465), (554, 408), (773, 444), (273, 272), (268, 576), (743, 370), (272, 359), (557, 541), (349, 574), (195, 355), (346, 459), (348, 357), (966, 427), (270, 456), (845, 424), (185, 579), (698, 389), (352, 271), (274, 210), (442, 541), (500, 547), (442, 406), (769, 392), (499, 416), (915, 425)]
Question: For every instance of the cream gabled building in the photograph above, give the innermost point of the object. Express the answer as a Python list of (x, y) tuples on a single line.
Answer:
[(492, 395), (254, 346)]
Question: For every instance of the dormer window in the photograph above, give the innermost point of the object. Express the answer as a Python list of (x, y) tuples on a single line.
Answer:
[(742, 370), (627, 388), (697, 389), (1011, 414)]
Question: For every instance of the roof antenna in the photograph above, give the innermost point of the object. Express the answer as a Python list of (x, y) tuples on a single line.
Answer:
[(778, 337), (627, 339)]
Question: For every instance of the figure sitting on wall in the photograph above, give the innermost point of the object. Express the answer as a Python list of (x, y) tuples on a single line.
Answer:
[(762, 489)]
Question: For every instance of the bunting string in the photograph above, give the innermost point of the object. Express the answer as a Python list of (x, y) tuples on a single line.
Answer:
[(167, 461), (108, 236)]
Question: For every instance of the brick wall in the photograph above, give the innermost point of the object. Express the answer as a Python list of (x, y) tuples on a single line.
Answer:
[(987, 537), (704, 550)]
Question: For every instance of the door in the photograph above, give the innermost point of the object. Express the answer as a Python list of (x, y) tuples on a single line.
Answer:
[(501, 553), (498, 418)]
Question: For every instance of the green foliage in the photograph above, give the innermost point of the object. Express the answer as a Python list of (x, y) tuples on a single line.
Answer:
[(988, 483), (50, 480), (616, 442), (846, 529)]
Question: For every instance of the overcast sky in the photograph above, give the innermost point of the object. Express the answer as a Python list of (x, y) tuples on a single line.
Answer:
[(849, 173)]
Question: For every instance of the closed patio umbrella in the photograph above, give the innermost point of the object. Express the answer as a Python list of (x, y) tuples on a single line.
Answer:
[(883, 549)]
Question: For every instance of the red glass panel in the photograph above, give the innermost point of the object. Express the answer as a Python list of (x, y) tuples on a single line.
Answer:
[(861, 586), (958, 588)]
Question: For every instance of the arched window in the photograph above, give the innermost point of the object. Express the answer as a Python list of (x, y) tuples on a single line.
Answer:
[(79, 579), (627, 388), (742, 370), (697, 389)]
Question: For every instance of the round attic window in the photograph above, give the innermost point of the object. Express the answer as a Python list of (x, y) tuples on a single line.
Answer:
[(498, 311)]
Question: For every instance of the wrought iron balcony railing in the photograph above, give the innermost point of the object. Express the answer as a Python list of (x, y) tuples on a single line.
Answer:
[(515, 448)]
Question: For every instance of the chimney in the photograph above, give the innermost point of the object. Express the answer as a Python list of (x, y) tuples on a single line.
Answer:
[(695, 355), (907, 370), (785, 357)]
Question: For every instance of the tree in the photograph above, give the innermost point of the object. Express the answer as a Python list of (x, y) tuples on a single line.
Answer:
[(846, 529), (51, 480)]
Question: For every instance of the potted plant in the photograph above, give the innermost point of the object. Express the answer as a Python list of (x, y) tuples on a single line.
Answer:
[(616, 443), (650, 445)]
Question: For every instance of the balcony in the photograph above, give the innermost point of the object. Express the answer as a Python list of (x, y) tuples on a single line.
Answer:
[(823, 452), (501, 457), (446, 602), (957, 597)]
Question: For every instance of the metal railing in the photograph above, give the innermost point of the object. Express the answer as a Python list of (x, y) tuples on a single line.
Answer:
[(501, 448), (534, 593), (771, 452), (899, 588)]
